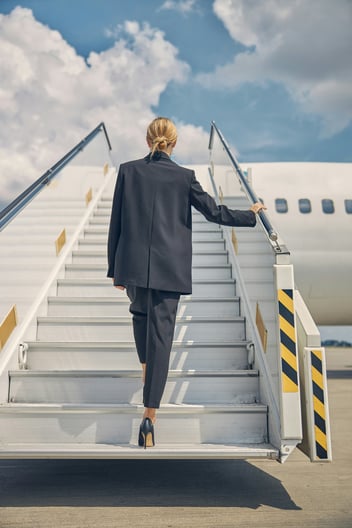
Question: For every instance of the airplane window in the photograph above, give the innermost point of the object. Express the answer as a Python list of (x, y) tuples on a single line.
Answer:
[(305, 205), (281, 205), (328, 206), (348, 206)]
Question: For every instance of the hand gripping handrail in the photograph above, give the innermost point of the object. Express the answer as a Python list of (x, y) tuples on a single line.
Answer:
[(9, 213), (244, 182)]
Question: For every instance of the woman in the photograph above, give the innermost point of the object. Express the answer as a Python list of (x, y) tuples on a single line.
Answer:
[(150, 252)]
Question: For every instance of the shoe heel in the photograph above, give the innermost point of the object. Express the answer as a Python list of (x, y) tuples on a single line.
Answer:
[(148, 440), (146, 434)]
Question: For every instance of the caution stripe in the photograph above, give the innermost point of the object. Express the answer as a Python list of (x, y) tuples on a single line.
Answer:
[(289, 365), (321, 444)]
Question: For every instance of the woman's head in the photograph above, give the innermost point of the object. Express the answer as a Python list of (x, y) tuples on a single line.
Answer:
[(161, 134)]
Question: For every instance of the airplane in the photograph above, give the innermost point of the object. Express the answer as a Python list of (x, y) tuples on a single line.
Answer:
[(310, 206), (262, 340)]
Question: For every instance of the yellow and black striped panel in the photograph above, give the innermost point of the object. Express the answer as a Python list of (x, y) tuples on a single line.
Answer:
[(289, 365), (321, 445)]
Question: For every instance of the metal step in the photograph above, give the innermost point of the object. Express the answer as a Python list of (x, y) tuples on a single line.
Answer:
[(120, 329), (91, 270), (100, 218), (213, 245), (109, 306), (198, 227), (104, 211), (103, 287), (160, 451), (198, 257), (123, 356), (126, 387), (197, 235), (119, 424)]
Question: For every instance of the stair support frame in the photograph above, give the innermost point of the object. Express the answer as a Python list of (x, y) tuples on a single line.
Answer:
[(288, 368)]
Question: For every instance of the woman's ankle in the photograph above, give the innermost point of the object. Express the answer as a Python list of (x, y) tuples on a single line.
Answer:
[(150, 413)]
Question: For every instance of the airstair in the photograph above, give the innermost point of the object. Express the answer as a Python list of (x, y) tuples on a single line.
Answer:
[(70, 382)]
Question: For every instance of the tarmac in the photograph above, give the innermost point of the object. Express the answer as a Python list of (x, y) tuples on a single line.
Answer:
[(173, 494)]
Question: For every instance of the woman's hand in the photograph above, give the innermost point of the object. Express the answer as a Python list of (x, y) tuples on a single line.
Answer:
[(256, 207), (119, 287)]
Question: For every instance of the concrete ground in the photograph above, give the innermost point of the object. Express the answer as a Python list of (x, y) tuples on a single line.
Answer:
[(172, 494)]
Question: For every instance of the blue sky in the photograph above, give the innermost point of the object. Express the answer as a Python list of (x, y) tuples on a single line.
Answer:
[(274, 75)]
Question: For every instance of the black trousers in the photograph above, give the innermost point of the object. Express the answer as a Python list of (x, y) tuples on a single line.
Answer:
[(154, 317)]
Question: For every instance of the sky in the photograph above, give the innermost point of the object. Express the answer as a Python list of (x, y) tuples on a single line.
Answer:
[(275, 75)]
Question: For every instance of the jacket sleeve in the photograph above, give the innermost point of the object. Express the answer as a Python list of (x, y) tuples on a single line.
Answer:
[(115, 224), (219, 214)]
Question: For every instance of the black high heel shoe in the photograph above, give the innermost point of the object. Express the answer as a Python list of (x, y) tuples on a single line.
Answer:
[(146, 434)]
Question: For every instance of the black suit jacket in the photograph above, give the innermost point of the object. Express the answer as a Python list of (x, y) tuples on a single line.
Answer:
[(150, 235)]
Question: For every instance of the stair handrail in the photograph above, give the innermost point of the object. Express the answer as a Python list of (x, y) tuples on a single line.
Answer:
[(16, 206), (272, 234)]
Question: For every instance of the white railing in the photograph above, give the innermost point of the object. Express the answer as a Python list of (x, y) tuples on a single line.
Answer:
[(278, 365), (13, 355)]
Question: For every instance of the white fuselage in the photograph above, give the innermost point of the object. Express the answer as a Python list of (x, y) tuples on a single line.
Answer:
[(320, 242)]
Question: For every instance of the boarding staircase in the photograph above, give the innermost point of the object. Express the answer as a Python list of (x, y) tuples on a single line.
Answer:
[(70, 382)]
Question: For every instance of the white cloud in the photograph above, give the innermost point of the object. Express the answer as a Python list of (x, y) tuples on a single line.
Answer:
[(192, 143), (50, 97), (306, 46), (182, 6)]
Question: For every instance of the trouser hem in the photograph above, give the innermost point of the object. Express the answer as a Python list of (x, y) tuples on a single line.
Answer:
[(152, 405)]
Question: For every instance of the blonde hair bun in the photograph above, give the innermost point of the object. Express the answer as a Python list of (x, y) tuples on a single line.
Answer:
[(161, 133)]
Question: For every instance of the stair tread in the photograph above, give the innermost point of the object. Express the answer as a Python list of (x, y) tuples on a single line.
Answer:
[(83, 450), (92, 265), (104, 228), (128, 319), (101, 240), (131, 408), (95, 252), (125, 300), (123, 344), (132, 373), (107, 280)]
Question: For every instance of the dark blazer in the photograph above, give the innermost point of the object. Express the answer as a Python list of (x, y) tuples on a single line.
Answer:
[(150, 235)]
